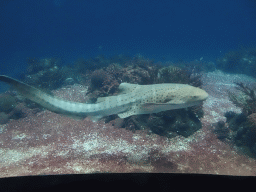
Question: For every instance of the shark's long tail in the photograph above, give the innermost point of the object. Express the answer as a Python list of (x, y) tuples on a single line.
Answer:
[(45, 100)]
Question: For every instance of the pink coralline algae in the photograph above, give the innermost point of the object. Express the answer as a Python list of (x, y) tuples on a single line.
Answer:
[(252, 119), (48, 143)]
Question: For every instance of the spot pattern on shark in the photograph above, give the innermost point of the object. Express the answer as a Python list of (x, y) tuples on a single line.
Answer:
[(132, 99)]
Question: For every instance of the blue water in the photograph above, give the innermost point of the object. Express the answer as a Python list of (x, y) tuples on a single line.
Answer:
[(164, 30)]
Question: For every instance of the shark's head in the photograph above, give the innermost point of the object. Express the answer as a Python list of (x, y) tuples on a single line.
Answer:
[(194, 94), (187, 95)]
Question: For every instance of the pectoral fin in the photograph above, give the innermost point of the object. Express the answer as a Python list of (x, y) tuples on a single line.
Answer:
[(152, 107), (131, 111), (146, 108), (126, 114)]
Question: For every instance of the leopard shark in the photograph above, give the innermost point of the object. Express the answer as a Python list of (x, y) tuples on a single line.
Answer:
[(132, 99)]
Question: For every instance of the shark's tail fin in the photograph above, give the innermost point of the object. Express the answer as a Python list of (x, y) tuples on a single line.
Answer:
[(23, 88), (31, 93), (45, 100), (26, 90)]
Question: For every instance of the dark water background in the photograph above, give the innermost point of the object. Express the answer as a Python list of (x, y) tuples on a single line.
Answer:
[(164, 30)]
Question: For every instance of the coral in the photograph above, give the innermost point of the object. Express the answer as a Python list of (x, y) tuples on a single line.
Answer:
[(242, 126), (105, 81), (83, 65), (240, 129), (252, 119), (98, 78), (186, 123), (169, 124), (102, 83), (140, 75), (4, 118), (13, 106), (221, 130), (48, 73), (7, 103), (174, 74), (230, 115), (246, 99)]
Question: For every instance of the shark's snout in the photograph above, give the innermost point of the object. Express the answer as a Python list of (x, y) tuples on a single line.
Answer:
[(206, 95), (201, 94)]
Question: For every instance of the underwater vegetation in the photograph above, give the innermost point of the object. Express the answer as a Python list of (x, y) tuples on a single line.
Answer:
[(173, 74), (7, 104), (239, 61), (105, 81), (245, 100), (169, 124), (240, 129), (11, 107)]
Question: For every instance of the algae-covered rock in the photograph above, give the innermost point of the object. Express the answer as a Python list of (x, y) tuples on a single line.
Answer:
[(4, 118), (7, 103)]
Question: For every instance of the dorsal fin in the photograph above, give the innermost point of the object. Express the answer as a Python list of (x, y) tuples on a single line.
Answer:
[(127, 88), (123, 89)]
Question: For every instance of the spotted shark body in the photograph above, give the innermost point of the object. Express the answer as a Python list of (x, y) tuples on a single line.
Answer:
[(132, 99)]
